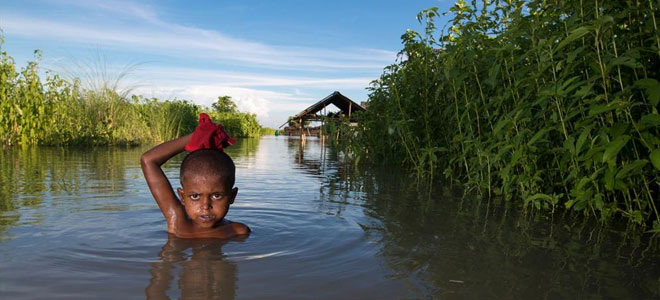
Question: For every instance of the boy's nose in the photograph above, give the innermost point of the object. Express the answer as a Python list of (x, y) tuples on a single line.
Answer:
[(207, 203)]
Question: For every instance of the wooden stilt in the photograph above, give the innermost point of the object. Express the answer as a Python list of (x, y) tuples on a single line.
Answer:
[(302, 132), (350, 106)]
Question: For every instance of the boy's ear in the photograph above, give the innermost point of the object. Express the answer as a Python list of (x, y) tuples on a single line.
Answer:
[(234, 192), (180, 192)]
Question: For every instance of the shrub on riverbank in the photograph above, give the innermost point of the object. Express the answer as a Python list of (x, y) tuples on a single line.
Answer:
[(236, 123), (61, 112), (268, 131), (550, 103)]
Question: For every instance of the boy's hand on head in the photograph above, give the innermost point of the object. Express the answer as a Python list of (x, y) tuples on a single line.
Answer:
[(208, 135), (159, 185)]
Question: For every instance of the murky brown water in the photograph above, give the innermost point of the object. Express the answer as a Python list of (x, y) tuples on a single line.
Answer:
[(81, 224)]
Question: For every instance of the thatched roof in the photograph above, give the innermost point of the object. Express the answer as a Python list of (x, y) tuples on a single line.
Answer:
[(346, 105)]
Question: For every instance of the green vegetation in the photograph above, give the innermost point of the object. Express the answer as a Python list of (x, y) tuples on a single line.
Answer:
[(62, 112), (236, 123), (268, 131), (544, 103)]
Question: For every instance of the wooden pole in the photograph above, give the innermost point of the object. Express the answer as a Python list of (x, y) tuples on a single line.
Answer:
[(302, 131), (325, 115), (350, 106)]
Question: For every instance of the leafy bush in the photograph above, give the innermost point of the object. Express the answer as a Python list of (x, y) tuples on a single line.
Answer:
[(267, 131), (545, 103), (238, 124)]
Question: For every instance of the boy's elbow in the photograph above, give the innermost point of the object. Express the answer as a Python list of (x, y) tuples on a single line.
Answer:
[(144, 160)]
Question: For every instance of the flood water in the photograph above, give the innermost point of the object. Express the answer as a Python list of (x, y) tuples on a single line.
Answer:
[(81, 224)]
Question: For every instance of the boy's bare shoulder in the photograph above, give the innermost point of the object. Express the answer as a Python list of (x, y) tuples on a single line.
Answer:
[(240, 228), (226, 230)]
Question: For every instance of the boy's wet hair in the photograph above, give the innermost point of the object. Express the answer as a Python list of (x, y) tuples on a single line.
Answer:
[(209, 162)]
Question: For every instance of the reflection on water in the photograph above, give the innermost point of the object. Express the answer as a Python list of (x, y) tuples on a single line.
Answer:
[(30, 177), (201, 269), (448, 247), (60, 176), (81, 223)]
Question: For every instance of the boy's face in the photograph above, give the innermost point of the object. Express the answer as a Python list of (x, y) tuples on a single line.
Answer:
[(206, 199)]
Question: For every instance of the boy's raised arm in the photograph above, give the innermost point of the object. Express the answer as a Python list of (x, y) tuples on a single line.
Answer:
[(160, 187)]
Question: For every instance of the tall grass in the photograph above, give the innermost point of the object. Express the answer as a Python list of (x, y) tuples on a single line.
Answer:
[(545, 103), (168, 119), (93, 110)]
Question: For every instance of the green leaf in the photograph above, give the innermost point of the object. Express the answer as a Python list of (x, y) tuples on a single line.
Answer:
[(569, 144), (585, 90), (651, 88), (608, 179), (574, 35), (541, 197), (655, 158), (515, 157), (632, 167), (598, 201), (568, 86), (623, 61), (637, 217), (652, 120), (583, 138), (537, 136), (501, 124), (618, 129), (614, 147), (569, 203), (18, 109), (604, 20), (597, 109), (656, 227)]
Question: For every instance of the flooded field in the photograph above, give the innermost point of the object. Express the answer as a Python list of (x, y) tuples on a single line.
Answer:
[(81, 224)]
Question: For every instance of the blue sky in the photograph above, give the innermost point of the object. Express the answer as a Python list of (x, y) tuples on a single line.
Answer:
[(274, 58)]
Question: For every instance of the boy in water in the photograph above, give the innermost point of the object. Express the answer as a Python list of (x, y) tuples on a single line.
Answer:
[(207, 179)]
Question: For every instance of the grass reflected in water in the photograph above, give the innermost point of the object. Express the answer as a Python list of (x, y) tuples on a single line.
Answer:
[(445, 246), (66, 177)]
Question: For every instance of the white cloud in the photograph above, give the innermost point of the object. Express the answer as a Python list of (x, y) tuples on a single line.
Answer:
[(176, 40), (259, 102), (127, 8), (139, 30), (243, 79)]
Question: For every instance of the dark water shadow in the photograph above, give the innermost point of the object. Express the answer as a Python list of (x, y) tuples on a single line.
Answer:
[(444, 245), (197, 267)]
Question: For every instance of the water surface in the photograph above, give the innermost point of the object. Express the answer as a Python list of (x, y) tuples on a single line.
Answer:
[(81, 224)]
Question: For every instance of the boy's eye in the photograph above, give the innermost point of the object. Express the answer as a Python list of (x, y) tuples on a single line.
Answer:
[(194, 196), (217, 196)]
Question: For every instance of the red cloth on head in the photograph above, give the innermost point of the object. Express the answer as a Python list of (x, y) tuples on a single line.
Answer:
[(209, 135)]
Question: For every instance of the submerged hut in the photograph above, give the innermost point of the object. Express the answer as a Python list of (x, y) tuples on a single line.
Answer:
[(347, 107)]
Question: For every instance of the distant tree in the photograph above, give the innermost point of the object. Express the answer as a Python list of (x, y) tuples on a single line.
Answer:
[(225, 104)]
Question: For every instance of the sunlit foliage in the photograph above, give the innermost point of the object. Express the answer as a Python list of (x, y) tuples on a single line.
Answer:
[(546, 103), (56, 111)]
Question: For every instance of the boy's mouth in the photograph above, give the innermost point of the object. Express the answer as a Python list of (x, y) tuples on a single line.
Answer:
[(206, 218)]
